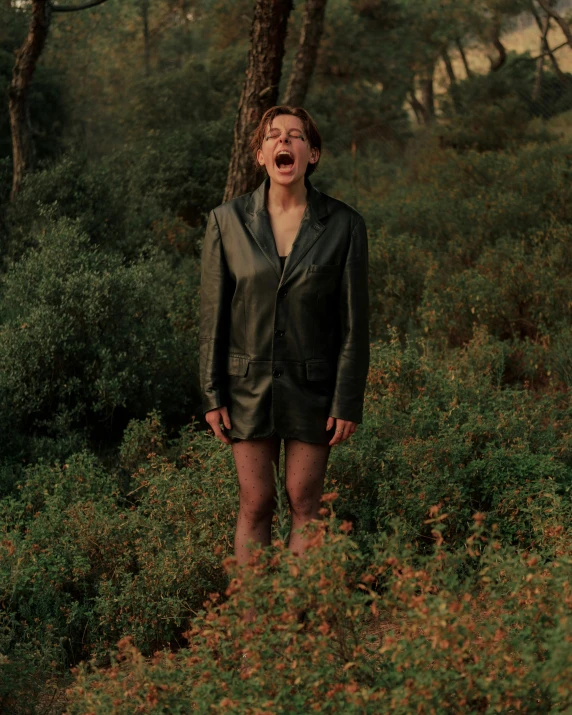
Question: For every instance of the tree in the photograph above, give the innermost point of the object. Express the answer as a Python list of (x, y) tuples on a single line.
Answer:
[(544, 27), (27, 56), (260, 91), (305, 61), (546, 5), (144, 10)]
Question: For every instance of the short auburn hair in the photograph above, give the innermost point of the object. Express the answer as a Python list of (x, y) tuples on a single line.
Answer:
[(310, 129)]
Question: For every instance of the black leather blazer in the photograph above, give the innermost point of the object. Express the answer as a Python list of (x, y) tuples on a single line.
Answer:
[(284, 350)]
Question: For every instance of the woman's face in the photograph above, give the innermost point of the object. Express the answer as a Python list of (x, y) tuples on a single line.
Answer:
[(286, 151)]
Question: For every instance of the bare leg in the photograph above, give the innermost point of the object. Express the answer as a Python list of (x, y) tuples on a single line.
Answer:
[(305, 471), (255, 460)]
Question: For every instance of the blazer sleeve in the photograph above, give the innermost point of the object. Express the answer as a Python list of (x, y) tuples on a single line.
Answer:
[(353, 358), (214, 318)]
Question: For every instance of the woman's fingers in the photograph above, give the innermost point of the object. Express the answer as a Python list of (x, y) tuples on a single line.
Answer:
[(214, 418), (344, 428), (225, 417), (221, 435)]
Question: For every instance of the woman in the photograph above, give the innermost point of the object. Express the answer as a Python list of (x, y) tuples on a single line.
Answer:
[(284, 339)]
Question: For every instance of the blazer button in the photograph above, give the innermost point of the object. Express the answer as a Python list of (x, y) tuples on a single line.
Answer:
[(277, 372), (279, 333), (283, 293)]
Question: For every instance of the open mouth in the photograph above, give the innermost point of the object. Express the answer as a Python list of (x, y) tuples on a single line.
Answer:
[(284, 161)]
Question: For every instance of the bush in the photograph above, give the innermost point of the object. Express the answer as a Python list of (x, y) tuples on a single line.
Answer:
[(89, 554), (396, 632), (87, 341), (450, 235), (491, 112), (446, 430), (155, 192), (70, 188), (520, 289)]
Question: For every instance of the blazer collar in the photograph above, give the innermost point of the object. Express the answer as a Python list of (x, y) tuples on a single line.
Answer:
[(316, 200), (311, 227)]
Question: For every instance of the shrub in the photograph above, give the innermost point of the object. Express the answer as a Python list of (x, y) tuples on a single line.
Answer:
[(396, 632), (87, 340), (458, 204), (89, 554), (491, 112), (518, 290), (447, 431), (156, 191)]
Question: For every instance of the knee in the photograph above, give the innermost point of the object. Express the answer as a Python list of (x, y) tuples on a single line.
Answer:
[(258, 508), (302, 502)]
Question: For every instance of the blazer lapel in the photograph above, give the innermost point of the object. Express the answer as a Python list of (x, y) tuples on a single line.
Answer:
[(311, 228), (258, 223)]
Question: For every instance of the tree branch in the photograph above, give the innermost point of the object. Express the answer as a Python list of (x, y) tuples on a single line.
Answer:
[(559, 19), (75, 8), (549, 52)]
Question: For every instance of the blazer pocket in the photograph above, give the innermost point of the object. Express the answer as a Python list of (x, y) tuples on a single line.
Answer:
[(324, 268), (319, 370), (238, 365)]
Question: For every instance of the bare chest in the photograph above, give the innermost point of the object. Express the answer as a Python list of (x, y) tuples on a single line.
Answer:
[(285, 229)]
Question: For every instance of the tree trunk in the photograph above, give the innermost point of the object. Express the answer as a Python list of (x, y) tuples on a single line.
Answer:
[(428, 100), (501, 59), (452, 80), (75, 8), (562, 76), (417, 107), (146, 46), (540, 66), (461, 49), (449, 67), (301, 75), (559, 19), (260, 91), (23, 154)]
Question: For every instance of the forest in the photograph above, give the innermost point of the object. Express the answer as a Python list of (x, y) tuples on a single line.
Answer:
[(439, 579)]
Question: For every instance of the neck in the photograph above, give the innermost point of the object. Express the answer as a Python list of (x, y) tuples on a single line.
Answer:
[(286, 198)]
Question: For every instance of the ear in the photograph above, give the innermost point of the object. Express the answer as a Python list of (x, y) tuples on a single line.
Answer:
[(314, 156), (260, 157)]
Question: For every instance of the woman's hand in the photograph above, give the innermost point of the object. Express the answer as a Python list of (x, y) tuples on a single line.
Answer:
[(344, 428), (214, 418)]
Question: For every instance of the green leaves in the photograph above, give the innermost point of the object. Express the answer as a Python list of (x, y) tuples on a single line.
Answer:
[(85, 334)]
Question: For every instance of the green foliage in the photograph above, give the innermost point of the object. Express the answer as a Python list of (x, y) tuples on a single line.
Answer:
[(555, 96), (518, 289), (491, 111), (88, 554), (394, 632), (449, 432), (86, 339), (115, 559), (154, 192), (477, 238), (172, 179), (356, 95), (72, 189)]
